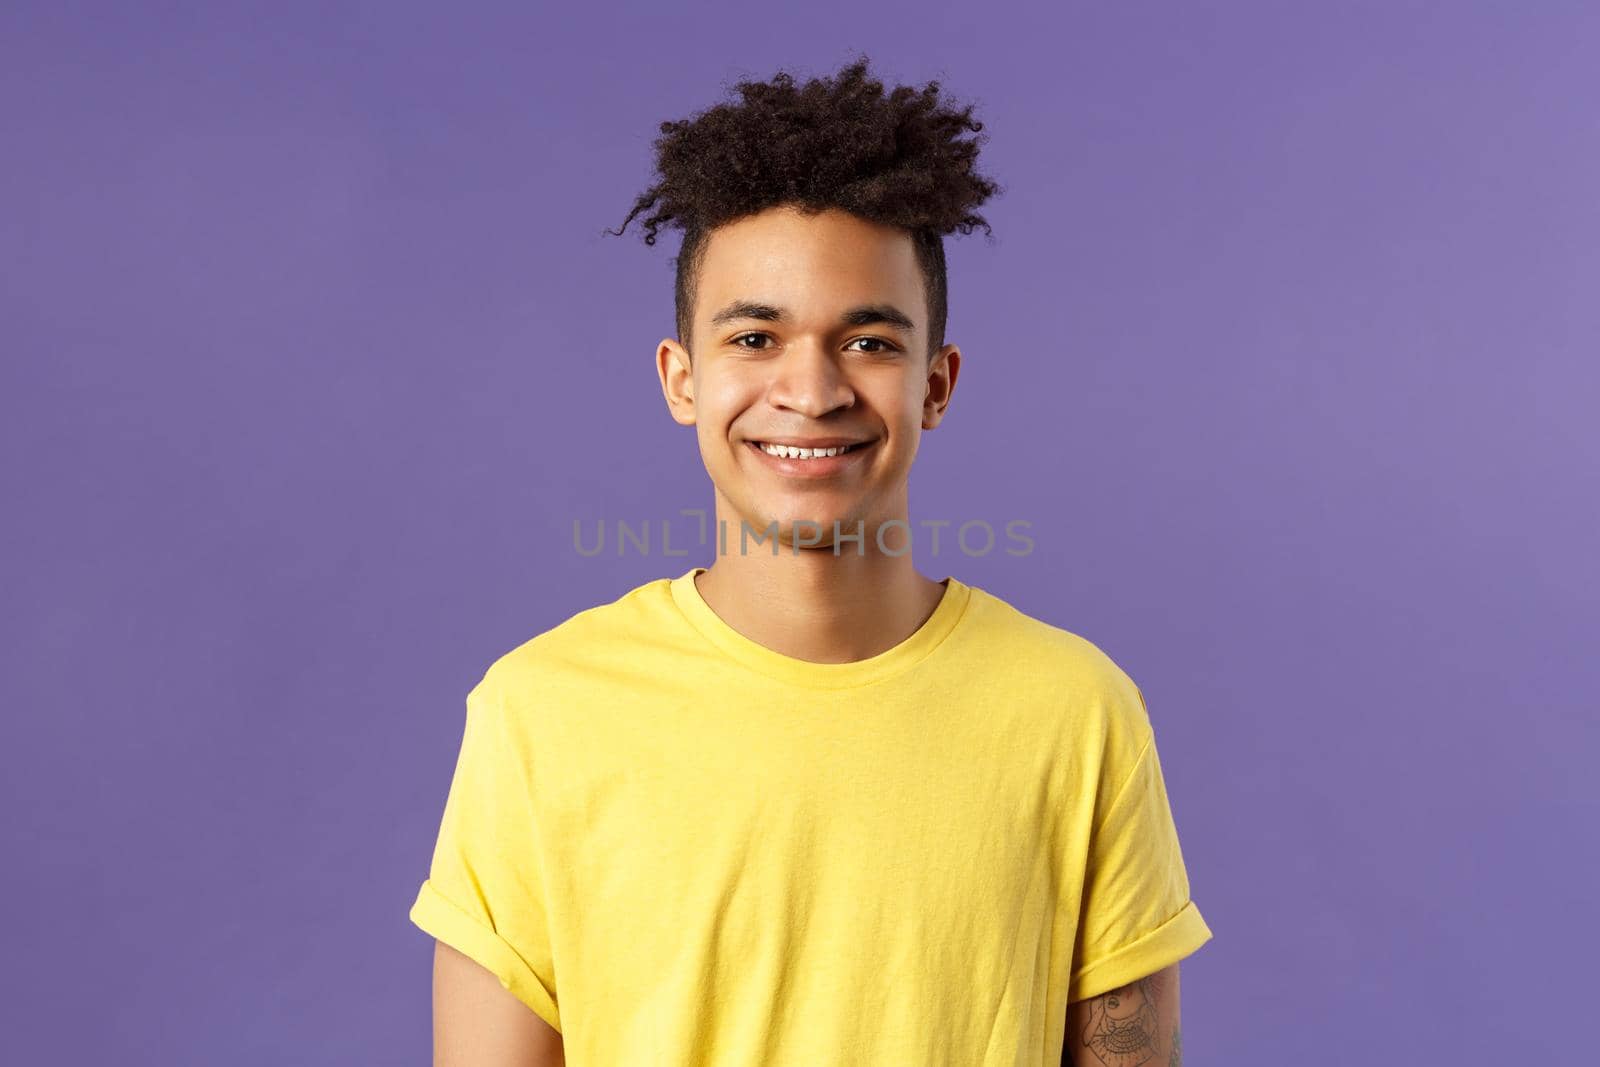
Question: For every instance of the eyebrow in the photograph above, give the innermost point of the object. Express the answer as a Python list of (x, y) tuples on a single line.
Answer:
[(865, 315)]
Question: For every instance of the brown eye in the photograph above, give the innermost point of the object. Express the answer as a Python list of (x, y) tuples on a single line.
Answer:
[(885, 345), (743, 336)]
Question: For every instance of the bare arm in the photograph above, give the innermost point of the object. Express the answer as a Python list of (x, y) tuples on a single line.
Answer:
[(477, 1023), (1127, 1027)]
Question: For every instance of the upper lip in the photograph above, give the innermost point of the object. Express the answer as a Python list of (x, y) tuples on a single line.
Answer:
[(811, 442)]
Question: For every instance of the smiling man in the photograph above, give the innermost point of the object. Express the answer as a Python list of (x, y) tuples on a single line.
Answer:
[(805, 804)]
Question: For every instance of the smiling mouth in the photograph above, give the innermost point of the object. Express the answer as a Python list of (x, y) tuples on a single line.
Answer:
[(795, 452)]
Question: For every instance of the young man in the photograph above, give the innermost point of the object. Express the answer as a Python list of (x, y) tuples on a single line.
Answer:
[(807, 805)]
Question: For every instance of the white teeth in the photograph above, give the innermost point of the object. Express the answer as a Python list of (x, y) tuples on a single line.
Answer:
[(791, 452)]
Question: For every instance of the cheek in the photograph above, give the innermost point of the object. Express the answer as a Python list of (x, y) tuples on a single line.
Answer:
[(901, 402), (712, 437), (904, 415), (721, 400)]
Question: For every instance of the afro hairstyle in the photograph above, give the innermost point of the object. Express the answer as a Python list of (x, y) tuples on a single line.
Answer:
[(898, 159)]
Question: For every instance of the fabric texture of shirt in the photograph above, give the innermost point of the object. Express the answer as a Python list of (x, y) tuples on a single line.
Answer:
[(681, 848)]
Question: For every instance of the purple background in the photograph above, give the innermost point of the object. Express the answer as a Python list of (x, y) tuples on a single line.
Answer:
[(313, 351)]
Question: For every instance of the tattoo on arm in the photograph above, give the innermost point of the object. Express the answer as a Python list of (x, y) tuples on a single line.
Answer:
[(1121, 1028)]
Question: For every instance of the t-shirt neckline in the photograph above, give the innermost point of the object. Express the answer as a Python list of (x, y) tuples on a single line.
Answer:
[(949, 611)]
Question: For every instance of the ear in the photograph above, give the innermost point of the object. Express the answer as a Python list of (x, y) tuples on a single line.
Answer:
[(942, 374), (677, 380)]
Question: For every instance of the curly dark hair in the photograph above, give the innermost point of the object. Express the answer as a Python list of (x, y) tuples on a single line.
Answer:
[(838, 142)]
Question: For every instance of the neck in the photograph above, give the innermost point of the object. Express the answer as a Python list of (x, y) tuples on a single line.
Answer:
[(817, 606)]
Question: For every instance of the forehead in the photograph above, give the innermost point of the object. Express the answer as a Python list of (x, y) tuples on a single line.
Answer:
[(809, 262)]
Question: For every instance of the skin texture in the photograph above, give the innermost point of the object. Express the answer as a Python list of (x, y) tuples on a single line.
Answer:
[(811, 374), (1125, 1027), (478, 1023)]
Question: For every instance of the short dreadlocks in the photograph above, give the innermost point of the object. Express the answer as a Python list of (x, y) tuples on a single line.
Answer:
[(897, 159)]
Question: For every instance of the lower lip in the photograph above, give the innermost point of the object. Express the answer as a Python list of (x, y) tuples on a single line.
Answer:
[(823, 467)]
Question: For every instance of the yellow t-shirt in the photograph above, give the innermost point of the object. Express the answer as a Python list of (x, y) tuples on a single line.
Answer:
[(679, 847)]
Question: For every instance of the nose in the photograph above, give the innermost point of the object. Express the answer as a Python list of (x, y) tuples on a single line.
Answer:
[(807, 380)]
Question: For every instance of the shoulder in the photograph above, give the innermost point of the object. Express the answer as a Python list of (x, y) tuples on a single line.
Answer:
[(1074, 669), (595, 639), (1100, 712)]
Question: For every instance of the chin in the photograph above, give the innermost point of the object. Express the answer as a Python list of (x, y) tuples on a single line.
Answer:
[(817, 535)]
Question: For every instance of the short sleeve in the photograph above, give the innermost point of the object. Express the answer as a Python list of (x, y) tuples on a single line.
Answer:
[(485, 895), (1136, 915)]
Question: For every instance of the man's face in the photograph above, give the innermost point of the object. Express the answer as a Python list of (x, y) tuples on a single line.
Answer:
[(785, 350)]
